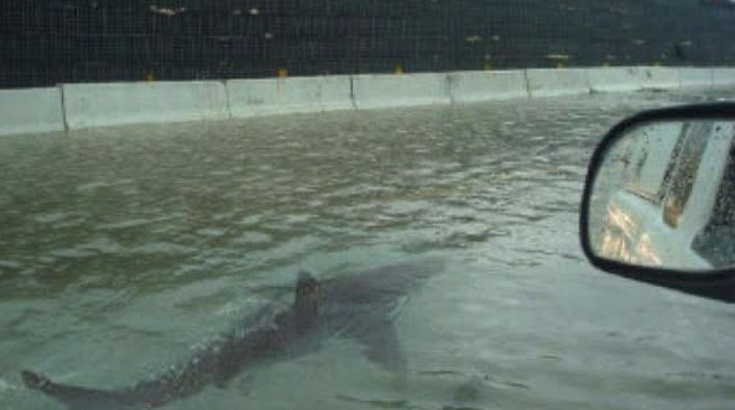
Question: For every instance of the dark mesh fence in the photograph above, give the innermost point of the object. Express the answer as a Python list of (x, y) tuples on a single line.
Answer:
[(45, 42)]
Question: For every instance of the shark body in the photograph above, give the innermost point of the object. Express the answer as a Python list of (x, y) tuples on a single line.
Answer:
[(361, 307)]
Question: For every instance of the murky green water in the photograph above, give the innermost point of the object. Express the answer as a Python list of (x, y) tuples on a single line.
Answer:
[(123, 249)]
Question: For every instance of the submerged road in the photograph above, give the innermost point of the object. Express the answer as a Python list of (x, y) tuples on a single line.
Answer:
[(124, 249)]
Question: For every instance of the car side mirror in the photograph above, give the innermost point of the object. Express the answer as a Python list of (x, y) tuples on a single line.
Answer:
[(659, 200)]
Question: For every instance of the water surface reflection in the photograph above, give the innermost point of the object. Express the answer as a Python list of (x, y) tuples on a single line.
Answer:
[(122, 249)]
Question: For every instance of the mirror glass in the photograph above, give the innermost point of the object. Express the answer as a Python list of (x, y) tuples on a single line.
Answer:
[(664, 196)]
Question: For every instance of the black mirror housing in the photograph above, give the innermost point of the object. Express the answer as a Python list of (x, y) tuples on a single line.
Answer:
[(652, 208)]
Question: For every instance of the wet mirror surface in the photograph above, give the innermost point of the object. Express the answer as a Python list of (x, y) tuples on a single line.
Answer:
[(665, 197)]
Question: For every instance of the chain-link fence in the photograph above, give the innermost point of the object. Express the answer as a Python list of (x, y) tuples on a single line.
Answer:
[(45, 42)]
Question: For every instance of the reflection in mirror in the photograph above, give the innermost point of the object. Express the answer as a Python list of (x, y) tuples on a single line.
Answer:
[(664, 196)]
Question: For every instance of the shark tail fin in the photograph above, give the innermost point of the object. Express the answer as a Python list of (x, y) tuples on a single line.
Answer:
[(73, 396)]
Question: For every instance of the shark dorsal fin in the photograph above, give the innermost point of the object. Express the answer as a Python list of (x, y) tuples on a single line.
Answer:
[(306, 306)]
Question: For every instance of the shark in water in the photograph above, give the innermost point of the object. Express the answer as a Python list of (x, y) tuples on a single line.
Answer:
[(361, 307)]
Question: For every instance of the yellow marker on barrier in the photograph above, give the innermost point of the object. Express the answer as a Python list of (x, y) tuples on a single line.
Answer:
[(561, 60), (398, 69), (487, 67), (282, 73), (150, 77)]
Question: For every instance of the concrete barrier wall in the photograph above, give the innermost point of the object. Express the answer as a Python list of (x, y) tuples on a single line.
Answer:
[(249, 98), (555, 82), (614, 79), (474, 86), (93, 105), (32, 110), (659, 78), (380, 91), (626, 79), (723, 76), (695, 77), (75, 106)]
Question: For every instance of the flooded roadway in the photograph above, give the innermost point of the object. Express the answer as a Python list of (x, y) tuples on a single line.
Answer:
[(124, 249)]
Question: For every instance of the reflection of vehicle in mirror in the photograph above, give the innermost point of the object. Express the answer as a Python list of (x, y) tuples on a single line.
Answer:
[(660, 198), (670, 197)]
